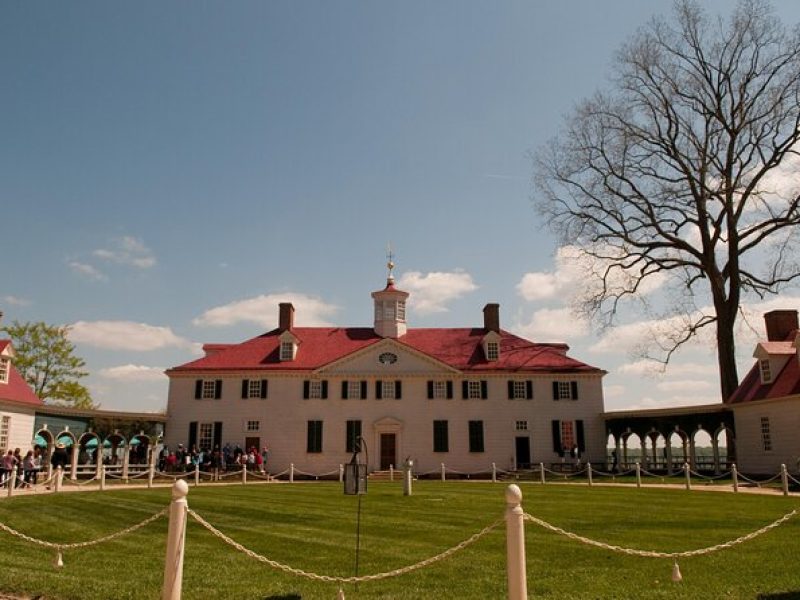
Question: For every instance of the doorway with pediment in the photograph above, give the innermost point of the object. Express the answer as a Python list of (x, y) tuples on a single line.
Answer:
[(388, 442)]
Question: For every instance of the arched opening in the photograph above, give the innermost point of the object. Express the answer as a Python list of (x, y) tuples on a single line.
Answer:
[(726, 447), (631, 450), (703, 455), (113, 450), (659, 454), (678, 450), (613, 447), (139, 448)]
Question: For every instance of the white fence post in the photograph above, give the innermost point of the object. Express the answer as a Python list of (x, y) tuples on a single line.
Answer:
[(196, 475), (59, 478), (589, 473), (173, 565), (73, 468), (687, 472), (126, 461), (341, 473), (735, 477), (391, 472), (494, 473), (102, 477), (244, 474), (784, 480), (291, 473), (151, 473), (11, 481), (407, 473), (638, 474), (515, 545), (541, 473), (444, 473)]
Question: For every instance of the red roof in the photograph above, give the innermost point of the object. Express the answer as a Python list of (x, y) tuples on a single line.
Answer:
[(785, 383), (458, 348), (16, 390)]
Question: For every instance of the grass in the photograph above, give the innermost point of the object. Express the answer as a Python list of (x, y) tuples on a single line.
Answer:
[(312, 526)]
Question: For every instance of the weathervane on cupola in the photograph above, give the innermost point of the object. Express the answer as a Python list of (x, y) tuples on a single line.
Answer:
[(390, 304)]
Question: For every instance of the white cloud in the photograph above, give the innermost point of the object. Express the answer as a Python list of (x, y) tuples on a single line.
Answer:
[(129, 251), (431, 292), (685, 386), (127, 335), (132, 372), (15, 301), (666, 402), (553, 325), (653, 368), (86, 270), (263, 310), (576, 276), (613, 392)]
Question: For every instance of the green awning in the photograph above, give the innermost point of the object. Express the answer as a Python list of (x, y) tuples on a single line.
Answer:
[(39, 441)]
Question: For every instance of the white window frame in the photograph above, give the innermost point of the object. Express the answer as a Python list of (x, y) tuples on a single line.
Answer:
[(205, 435), (209, 389), (440, 390), (766, 435), (315, 389), (474, 389), (492, 350), (252, 426), (5, 369), (766, 370), (521, 425), (287, 351), (565, 390), (401, 310), (388, 391), (520, 390), (568, 434), (389, 311), (254, 388), (354, 389), (5, 428)]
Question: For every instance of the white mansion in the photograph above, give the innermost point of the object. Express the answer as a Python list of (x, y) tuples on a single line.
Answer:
[(466, 397)]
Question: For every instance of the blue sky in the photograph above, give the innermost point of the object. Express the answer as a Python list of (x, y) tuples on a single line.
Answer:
[(170, 171)]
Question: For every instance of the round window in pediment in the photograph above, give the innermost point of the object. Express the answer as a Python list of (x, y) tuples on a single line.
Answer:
[(387, 358)]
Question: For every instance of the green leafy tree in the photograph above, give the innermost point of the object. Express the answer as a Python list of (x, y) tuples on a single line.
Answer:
[(46, 360)]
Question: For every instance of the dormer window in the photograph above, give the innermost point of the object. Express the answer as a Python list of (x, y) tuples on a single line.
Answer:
[(287, 351), (5, 367), (288, 347), (492, 351), (766, 371)]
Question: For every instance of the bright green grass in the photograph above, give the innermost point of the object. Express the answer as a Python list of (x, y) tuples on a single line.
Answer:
[(312, 527)]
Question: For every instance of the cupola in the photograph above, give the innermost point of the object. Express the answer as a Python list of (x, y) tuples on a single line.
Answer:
[(390, 308)]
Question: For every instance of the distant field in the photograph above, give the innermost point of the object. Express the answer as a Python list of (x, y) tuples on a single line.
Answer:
[(311, 526)]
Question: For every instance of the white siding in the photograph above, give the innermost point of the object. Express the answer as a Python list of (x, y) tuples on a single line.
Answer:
[(784, 423)]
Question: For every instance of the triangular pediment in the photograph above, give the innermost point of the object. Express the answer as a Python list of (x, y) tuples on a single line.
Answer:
[(387, 358)]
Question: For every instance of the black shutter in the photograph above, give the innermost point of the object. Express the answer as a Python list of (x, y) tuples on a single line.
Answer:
[(245, 388), (580, 436), (192, 434), (555, 390), (305, 390), (430, 390), (324, 389), (465, 390), (574, 386), (363, 391), (378, 390), (344, 395), (510, 390), (484, 389), (398, 389), (217, 441), (557, 438), (449, 390), (218, 389), (529, 389), (264, 388), (198, 389)]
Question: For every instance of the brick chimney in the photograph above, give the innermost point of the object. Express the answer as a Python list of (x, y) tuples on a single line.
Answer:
[(780, 323), (286, 316), (491, 317)]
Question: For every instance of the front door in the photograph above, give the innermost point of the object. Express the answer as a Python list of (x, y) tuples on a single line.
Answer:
[(252, 442), (523, 446), (388, 450)]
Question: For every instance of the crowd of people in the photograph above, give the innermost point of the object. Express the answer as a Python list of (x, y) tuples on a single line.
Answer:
[(219, 459), (28, 466)]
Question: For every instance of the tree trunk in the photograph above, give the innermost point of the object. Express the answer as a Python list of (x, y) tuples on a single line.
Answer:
[(726, 352)]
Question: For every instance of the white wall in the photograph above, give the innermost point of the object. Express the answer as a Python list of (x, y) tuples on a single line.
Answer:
[(20, 426), (784, 424), (284, 415)]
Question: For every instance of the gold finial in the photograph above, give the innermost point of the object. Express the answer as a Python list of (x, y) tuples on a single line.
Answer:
[(390, 263)]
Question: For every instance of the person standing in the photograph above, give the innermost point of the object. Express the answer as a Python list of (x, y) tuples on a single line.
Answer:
[(29, 469), (9, 462)]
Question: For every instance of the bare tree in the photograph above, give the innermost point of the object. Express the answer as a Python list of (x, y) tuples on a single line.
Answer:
[(680, 171)]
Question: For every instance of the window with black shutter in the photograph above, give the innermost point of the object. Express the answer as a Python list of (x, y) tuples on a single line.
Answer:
[(353, 433), (476, 436), (264, 388), (245, 388), (314, 440), (557, 447), (218, 389), (440, 441)]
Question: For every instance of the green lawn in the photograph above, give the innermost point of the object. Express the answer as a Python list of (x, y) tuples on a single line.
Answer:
[(311, 526)]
